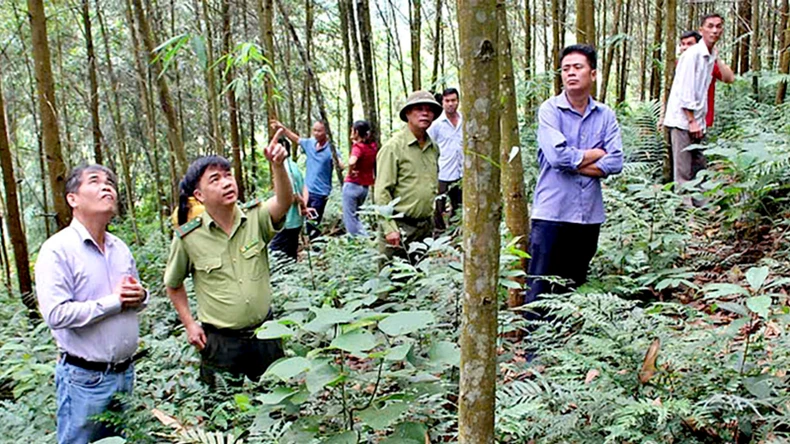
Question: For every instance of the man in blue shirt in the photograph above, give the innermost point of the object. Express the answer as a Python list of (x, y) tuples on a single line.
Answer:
[(578, 144), (319, 169)]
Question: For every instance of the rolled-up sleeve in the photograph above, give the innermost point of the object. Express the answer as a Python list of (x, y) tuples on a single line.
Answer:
[(612, 162), (552, 142), (55, 292), (386, 178)]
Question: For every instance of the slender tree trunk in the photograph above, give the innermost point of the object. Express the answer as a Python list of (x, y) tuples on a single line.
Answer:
[(64, 111), (513, 192), (266, 21), (437, 46), (655, 74), (755, 62), (365, 41), (770, 14), (93, 83), (165, 100), (230, 94), (354, 34), (250, 109), (529, 62), (555, 39), (396, 39), (585, 21), (671, 38), (784, 52), (744, 25), (48, 111), (645, 52), (415, 14), (217, 140), (623, 77), (547, 61), (308, 46), (478, 28), (607, 67), (345, 29), (13, 215)]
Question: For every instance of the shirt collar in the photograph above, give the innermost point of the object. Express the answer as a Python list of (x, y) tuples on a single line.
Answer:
[(85, 235), (564, 103), (412, 140), (238, 216), (704, 48)]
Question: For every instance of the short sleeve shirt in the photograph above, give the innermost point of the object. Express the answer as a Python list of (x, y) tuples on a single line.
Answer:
[(230, 273), (363, 172), (319, 167)]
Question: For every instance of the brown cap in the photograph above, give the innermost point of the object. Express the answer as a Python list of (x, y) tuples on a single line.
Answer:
[(421, 98)]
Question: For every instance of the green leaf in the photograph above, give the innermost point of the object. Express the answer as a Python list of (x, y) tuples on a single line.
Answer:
[(507, 283), (759, 386), (321, 374), (286, 369), (759, 305), (326, 318), (445, 353), (355, 342), (242, 401), (756, 277), (273, 330), (405, 322), (398, 353), (379, 419), (735, 308), (719, 290), (347, 437), (407, 433), (199, 46), (276, 396)]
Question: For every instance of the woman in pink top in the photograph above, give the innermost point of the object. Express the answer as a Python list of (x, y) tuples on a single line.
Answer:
[(361, 169)]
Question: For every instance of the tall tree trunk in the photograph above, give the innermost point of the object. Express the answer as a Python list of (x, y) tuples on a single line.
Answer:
[(120, 129), (529, 63), (316, 87), (655, 73), (343, 6), (64, 111), (308, 46), (771, 58), (478, 28), (671, 38), (230, 94), (415, 13), (165, 100), (217, 140), (744, 17), (437, 46), (93, 83), (365, 41), (645, 52), (266, 21), (784, 52), (623, 77), (755, 62), (48, 111), (250, 108), (555, 39), (13, 215), (354, 34), (513, 192), (396, 39), (585, 21), (607, 67)]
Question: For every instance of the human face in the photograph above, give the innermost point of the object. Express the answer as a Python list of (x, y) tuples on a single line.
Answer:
[(577, 75), (420, 116), (96, 195), (354, 135), (450, 104), (217, 188), (711, 30), (319, 132), (687, 43)]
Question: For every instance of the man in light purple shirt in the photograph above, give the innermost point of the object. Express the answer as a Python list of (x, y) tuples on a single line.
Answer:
[(578, 144), (89, 294)]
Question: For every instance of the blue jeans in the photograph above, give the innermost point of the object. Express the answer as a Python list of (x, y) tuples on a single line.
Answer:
[(319, 203), (83, 394), (354, 196)]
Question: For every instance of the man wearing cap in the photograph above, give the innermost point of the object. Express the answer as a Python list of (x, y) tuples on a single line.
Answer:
[(407, 170)]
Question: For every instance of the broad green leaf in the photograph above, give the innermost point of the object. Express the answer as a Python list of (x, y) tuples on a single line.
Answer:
[(398, 353), (759, 386), (759, 305), (199, 46), (320, 375), (327, 317), (276, 396), (756, 277), (733, 307), (720, 290), (407, 433), (354, 342), (242, 401), (286, 369), (273, 330), (445, 353), (379, 419), (405, 322), (347, 437)]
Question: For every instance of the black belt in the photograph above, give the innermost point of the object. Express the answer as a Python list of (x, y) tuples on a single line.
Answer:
[(246, 332), (104, 367), (414, 221)]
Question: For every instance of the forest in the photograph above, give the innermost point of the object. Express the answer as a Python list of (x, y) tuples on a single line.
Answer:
[(680, 335)]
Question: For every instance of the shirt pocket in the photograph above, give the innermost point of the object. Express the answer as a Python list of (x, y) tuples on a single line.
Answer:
[(208, 267), (254, 261)]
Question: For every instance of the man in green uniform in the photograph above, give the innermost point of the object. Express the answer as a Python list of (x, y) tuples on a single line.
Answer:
[(407, 169), (224, 250)]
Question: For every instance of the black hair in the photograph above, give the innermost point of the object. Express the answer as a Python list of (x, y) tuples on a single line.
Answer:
[(285, 143), (191, 180), (74, 179), (437, 97), (585, 50), (709, 16), (450, 91), (697, 36), (362, 127)]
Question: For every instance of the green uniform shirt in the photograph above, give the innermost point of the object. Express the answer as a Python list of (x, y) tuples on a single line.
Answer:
[(405, 170), (293, 219), (230, 273)]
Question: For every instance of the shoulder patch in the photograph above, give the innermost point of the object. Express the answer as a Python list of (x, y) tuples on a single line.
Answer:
[(188, 227), (251, 204)]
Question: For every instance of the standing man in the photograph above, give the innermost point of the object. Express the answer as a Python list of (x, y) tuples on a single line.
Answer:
[(319, 169), (447, 134), (578, 144), (721, 72), (407, 170), (687, 105), (89, 293), (225, 252)]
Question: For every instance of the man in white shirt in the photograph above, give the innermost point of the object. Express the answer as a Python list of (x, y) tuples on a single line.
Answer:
[(688, 100), (447, 133)]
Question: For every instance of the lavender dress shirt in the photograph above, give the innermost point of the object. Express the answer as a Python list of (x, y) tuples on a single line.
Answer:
[(562, 194), (74, 284)]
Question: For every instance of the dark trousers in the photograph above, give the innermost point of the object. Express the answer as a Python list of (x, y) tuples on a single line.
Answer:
[(454, 191), (287, 242), (412, 230), (319, 203), (559, 249), (237, 353)]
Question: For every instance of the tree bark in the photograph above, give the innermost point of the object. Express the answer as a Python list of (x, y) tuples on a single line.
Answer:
[(437, 46), (478, 28), (513, 192), (784, 52), (365, 41), (555, 39), (755, 62), (48, 111), (607, 67), (585, 21), (230, 94), (308, 46), (266, 21), (623, 77), (415, 14), (529, 64), (250, 109), (343, 6), (353, 23), (744, 25), (13, 215), (217, 140), (655, 73), (671, 38), (92, 83)]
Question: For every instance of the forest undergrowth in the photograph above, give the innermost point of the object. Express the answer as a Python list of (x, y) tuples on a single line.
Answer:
[(681, 336)]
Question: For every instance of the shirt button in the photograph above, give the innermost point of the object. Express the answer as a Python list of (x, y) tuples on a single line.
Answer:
[(240, 281), (234, 260)]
